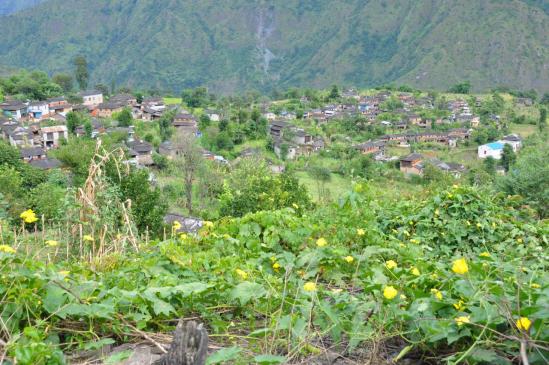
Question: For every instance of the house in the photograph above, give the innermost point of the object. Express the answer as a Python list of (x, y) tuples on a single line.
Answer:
[(91, 97), (514, 140), (15, 109), (494, 150), (213, 115), (185, 123), (369, 147), (124, 100), (411, 164), (97, 129), (150, 114), (285, 151), (106, 110), (46, 163), (58, 105), (140, 152), (51, 136), (39, 109), (32, 153), (455, 169), (23, 137), (276, 128)]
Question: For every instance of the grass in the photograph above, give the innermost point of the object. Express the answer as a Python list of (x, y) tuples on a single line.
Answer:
[(524, 130), (336, 187), (172, 101)]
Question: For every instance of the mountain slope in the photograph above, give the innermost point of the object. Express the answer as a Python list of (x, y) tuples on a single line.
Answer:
[(12, 6), (229, 45)]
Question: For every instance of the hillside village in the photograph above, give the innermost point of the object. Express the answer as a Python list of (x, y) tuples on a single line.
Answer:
[(38, 126)]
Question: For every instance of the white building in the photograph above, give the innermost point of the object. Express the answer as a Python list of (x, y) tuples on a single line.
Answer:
[(513, 140), (52, 135), (494, 150), (92, 97), (39, 109)]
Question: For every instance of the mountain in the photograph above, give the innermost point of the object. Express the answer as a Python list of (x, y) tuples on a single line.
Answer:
[(12, 6), (233, 45)]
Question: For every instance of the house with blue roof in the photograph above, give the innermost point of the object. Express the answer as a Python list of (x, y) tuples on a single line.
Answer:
[(493, 149)]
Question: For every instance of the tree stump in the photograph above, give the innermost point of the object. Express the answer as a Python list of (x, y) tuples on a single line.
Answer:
[(189, 345)]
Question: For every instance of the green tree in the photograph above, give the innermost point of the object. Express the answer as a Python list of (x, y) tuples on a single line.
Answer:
[(490, 165), (189, 161), (542, 122), (461, 88), (204, 122), (124, 118), (88, 128), (321, 175), (64, 80), (74, 119), (103, 88), (165, 124), (334, 93), (81, 72), (508, 157)]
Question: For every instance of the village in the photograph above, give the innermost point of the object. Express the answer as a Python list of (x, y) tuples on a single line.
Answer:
[(36, 127)]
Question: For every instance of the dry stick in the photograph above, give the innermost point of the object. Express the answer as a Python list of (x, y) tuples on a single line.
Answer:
[(523, 355), (146, 336)]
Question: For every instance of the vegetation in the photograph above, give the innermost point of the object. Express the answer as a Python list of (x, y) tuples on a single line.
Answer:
[(361, 44)]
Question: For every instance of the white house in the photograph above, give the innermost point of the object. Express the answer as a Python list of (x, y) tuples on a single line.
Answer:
[(92, 97), (513, 140), (494, 150), (39, 109), (52, 135)]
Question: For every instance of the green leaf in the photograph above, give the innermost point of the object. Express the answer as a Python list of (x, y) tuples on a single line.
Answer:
[(269, 359), (98, 344), (484, 355), (54, 299), (162, 307), (223, 355), (118, 357), (247, 291), (403, 352), (190, 288)]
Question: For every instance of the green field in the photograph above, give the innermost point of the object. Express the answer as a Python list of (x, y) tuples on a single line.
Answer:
[(172, 101)]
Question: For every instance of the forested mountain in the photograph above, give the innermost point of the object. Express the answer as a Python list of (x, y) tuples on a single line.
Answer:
[(12, 6), (236, 44)]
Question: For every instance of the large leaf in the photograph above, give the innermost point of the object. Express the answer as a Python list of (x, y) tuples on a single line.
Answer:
[(223, 355), (247, 291)]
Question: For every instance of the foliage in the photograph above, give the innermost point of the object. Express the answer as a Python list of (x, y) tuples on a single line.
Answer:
[(461, 88), (124, 117), (508, 157), (251, 188), (34, 85), (81, 72)]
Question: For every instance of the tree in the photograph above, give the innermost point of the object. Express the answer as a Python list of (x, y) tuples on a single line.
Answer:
[(528, 178), (189, 161), (103, 88), (165, 124), (204, 122), (88, 128), (461, 88), (334, 92), (64, 80), (542, 123), (73, 120), (321, 175), (81, 73), (490, 165), (508, 157), (124, 118)]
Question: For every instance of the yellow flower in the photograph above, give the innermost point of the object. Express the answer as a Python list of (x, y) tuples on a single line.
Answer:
[(437, 212), (459, 305), (349, 259), (390, 292), (7, 249), (243, 274), (415, 271), (52, 243), (295, 206), (28, 216), (519, 240), (176, 226), (360, 232), (413, 240), (390, 264), (273, 258), (535, 286), (437, 293), (64, 272), (309, 286), (183, 236), (207, 224), (479, 225), (87, 237), (523, 323), (434, 276), (276, 266), (460, 266), (321, 242), (484, 254), (462, 320)]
